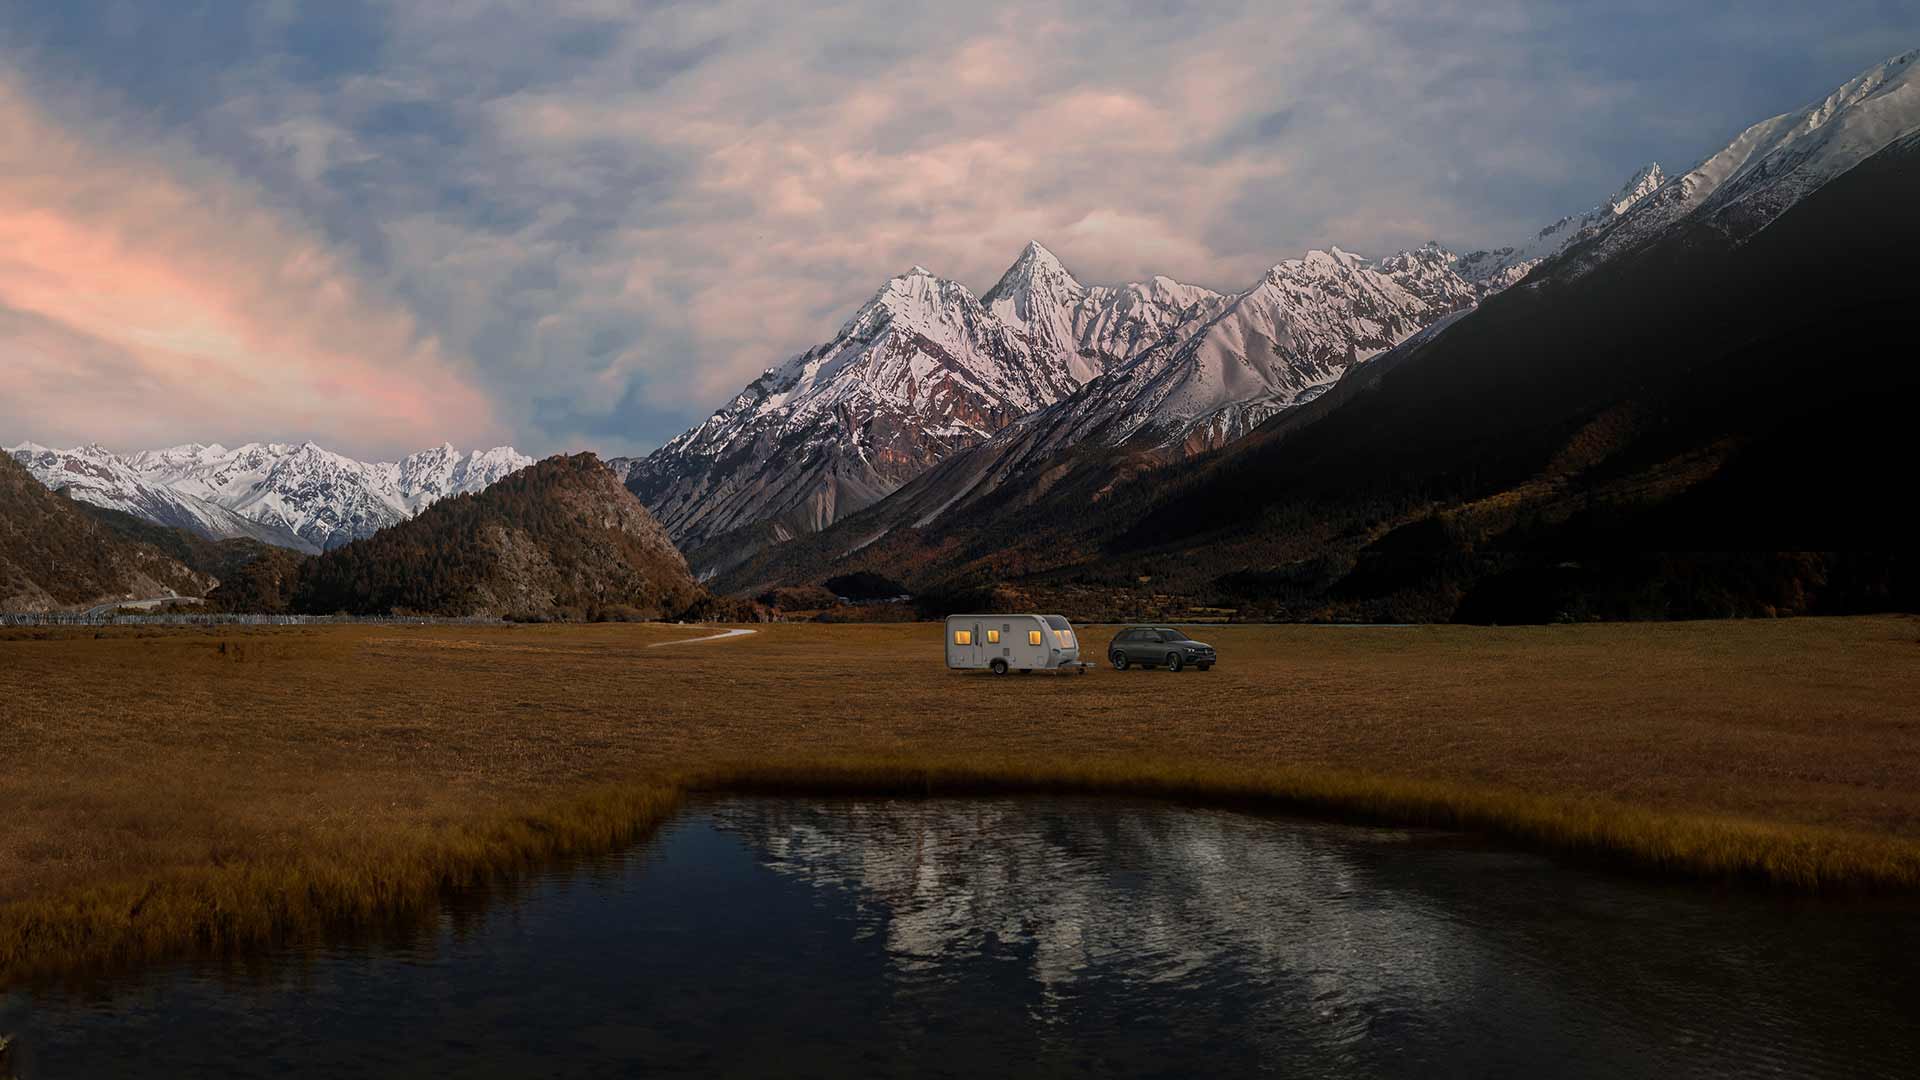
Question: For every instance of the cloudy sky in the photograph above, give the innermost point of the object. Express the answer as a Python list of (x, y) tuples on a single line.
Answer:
[(585, 223)]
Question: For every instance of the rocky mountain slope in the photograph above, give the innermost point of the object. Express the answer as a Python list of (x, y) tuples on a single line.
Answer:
[(1280, 343), (298, 496), (55, 557), (560, 539)]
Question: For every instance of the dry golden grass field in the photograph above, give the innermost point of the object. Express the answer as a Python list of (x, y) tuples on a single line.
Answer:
[(162, 789)]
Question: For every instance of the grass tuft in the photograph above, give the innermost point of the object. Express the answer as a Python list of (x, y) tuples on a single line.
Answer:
[(391, 876)]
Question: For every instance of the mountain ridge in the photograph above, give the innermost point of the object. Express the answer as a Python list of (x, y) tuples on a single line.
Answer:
[(559, 539), (293, 495)]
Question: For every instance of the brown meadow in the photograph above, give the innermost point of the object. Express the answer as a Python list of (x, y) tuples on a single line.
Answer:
[(165, 790)]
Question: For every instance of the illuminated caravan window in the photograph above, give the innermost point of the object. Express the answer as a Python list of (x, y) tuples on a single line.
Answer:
[(993, 637), (1033, 637), (963, 637), (1064, 637)]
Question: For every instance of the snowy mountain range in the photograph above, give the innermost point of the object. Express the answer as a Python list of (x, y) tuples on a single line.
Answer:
[(920, 371), (93, 474), (926, 370), (292, 495)]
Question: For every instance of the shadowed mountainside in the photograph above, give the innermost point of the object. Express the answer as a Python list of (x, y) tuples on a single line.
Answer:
[(1701, 427)]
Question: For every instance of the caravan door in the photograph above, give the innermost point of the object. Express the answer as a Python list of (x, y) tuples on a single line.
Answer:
[(964, 648)]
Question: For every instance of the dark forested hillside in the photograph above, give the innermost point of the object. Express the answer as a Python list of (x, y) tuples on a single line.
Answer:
[(53, 555), (219, 559), (560, 539), (1698, 428)]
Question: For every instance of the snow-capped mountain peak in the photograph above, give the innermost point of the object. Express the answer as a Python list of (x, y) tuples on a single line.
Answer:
[(1096, 327), (1643, 184), (1501, 267), (1036, 284)]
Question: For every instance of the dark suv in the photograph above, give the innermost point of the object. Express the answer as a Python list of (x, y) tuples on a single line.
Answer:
[(1153, 646)]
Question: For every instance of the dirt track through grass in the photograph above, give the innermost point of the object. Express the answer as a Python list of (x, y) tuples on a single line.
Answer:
[(238, 764)]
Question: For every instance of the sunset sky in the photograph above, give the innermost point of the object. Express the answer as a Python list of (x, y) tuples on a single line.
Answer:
[(585, 224)]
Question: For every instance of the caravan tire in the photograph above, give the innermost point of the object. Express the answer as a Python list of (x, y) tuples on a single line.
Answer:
[(998, 667)]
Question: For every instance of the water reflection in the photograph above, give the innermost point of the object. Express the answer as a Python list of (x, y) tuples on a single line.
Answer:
[(1033, 937), (1450, 953)]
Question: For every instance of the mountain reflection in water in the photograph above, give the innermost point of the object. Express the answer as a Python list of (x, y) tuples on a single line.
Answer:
[(761, 936), (1362, 947)]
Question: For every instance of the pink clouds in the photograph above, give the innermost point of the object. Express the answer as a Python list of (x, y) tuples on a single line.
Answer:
[(150, 296), (954, 160)]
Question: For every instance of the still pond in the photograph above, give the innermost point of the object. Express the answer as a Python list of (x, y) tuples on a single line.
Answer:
[(1029, 937)]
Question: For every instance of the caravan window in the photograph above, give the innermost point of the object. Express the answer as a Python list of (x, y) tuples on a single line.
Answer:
[(963, 637), (993, 637), (1033, 637), (1064, 637)]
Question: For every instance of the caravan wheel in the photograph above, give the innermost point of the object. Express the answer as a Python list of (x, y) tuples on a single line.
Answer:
[(999, 667)]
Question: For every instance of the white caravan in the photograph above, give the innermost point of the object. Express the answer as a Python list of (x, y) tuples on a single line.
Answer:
[(1003, 643)]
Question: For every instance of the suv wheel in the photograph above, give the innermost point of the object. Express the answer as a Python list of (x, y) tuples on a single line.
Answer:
[(998, 667), (1173, 661), (1119, 661)]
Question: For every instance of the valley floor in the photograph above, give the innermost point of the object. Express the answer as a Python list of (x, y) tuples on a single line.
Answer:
[(167, 787)]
